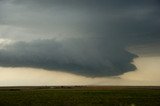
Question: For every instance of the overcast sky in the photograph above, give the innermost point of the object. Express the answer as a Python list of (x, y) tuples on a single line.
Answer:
[(89, 38)]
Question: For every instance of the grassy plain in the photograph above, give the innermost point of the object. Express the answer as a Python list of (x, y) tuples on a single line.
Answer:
[(80, 96)]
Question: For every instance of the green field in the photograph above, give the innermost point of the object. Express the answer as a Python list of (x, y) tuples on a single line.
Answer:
[(79, 96)]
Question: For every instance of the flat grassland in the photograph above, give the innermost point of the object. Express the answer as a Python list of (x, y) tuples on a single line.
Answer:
[(80, 96)]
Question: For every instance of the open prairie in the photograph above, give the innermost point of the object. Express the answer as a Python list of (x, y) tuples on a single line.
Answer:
[(80, 95)]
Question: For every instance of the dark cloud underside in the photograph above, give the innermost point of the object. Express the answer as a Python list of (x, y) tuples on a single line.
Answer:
[(80, 56)]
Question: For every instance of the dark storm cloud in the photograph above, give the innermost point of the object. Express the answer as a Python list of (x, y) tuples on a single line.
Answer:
[(80, 56), (96, 34)]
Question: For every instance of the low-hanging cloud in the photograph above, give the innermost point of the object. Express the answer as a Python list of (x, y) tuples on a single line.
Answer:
[(86, 37), (79, 56)]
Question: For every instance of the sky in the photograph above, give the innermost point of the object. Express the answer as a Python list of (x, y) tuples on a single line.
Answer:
[(79, 42)]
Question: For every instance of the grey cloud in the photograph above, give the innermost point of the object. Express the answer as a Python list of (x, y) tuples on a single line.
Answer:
[(105, 17), (87, 37), (87, 57)]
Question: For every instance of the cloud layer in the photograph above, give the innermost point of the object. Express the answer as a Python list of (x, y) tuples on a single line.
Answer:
[(80, 56), (86, 37)]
